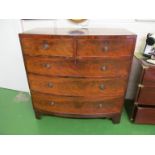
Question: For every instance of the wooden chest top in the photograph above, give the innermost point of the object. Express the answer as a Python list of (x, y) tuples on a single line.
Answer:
[(81, 32)]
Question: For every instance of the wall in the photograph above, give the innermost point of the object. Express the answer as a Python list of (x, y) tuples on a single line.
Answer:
[(11, 63), (12, 72)]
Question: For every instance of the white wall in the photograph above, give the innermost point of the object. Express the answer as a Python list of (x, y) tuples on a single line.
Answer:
[(12, 73)]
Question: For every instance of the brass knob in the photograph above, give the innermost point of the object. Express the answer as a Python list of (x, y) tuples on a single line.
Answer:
[(50, 85), (51, 103), (47, 65), (45, 45), (103, 68), (102, 87), (100, 105), (105, 46), (141, 86)]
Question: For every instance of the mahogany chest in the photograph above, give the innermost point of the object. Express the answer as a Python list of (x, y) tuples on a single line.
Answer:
[(141, 108), (78, 73)]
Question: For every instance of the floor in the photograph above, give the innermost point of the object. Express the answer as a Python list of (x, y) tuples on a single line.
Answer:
[(17, 117)]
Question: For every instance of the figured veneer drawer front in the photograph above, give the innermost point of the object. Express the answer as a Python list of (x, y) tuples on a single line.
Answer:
[(77, 86), (105, 47), (149, 77), (145, 115), (147, 96), (76, 105), (82, 68), (47, 46)]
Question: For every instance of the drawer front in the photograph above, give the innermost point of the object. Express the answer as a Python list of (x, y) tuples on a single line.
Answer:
[(82, 68), (76, 105), (145, 115), (46, 46), (105, 47), (149, 77), (77, 86), (147, 96)]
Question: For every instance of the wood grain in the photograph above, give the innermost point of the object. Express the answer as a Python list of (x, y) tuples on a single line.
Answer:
[(145, 115), (105, 47), (149, 77), (77, 86), (46, 46), (147, 96), (77, 105), (91, 32), (80, 76), (142, 109), (82, 68)]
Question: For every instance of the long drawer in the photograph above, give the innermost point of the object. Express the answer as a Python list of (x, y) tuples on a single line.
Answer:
[(80, 68), (77, 86), (76, 105), (35, 45), (112, 47)]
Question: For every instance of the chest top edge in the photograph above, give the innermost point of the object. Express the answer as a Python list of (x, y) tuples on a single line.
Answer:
[(79, 32)]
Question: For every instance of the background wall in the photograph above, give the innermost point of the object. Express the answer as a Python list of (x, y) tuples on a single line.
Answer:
[(13, 74)]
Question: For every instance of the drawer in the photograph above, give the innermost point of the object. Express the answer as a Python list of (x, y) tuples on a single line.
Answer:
[(47, 46), (149, 77), (105, 47), (77, 86), (76, 105), (145, 115), (147, 96), (83, 68)]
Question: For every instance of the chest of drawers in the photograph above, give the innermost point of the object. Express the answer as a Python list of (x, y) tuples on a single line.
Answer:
[(80, 75), (141, 109)]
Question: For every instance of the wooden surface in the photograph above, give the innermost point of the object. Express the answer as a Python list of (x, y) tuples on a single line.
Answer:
[(78, 75), (145, 115), (149, 78), (76, 105), (80, 32), (105, 47), (69, 67), (143, 110), (147, 96), (77, 86), (45, 46)]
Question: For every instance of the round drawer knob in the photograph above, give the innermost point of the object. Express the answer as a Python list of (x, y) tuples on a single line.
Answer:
[(103, 68), (51, 103), (100, 105), (50, 85), (45, 45), (105, 48), (47, 65), (102, 87)]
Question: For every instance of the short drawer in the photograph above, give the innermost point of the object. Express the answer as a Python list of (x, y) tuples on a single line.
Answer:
[(149, 77), (144, 115), (147, 96), (76, 105), (105, 47), (81, 68), (47, 46), (77, 86)]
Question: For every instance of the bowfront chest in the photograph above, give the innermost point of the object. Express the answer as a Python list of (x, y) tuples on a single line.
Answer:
[(78, 73)]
